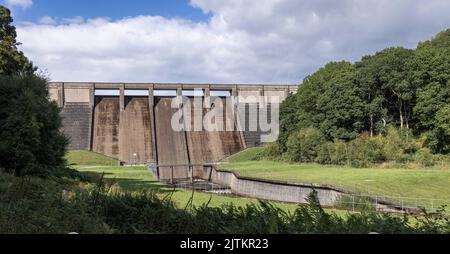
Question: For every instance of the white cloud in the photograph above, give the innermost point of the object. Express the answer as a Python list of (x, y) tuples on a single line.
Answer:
[(20, 3), (74, 20), (47, 20), (267, 41)]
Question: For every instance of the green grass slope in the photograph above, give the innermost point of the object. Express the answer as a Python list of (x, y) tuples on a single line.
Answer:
[(86, 158), (422, 184)]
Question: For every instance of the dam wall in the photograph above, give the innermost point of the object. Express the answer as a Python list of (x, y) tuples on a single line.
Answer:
[(135, 131), (171, 145), (106, 126), (132, 122), (77, 123)]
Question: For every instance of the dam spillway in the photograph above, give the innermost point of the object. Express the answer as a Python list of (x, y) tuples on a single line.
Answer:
[(135, 131), (132, 122), (106, 126)]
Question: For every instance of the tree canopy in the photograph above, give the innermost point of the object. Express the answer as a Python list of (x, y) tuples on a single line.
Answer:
[(30, 137), (396, 87), (12, 60)]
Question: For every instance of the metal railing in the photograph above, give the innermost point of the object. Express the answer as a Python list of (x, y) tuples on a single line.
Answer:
[(414, 205), (188, 168)]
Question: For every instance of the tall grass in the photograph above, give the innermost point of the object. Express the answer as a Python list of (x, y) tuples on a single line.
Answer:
[(32, 205)]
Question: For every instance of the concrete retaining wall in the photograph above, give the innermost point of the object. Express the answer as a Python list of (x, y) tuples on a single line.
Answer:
[(263, 189), (270, 190)]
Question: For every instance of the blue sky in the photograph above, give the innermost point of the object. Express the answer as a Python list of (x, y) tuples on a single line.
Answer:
[(214, 41), (113, 9)]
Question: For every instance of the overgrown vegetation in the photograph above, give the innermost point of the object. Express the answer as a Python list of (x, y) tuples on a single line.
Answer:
[(347, 113), (310, 146), (36, 205)]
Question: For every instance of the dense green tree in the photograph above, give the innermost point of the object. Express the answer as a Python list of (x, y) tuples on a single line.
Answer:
[(12, 60), (305, 145), (30, 137), (442, 129), (288, 119), (396, 87), (387, 92), (341, 108), (330, 101), (371, 93), (309, 92), (30, 140), (429, 72)]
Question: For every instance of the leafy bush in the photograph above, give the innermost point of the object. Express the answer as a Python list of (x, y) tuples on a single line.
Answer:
[(339, 153), (393, 146), (398, 147), (365, 150), (325, 152), (424, 157), (304, 145), (271, 151)]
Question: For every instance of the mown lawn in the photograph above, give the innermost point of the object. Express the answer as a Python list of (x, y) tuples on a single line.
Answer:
[(421, 184)]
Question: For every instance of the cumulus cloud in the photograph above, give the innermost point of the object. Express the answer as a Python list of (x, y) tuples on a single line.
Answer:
[(47, 20), (20, 3), (245, 41)]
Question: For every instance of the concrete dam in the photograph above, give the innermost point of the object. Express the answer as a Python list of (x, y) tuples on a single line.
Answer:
[(133, 122)]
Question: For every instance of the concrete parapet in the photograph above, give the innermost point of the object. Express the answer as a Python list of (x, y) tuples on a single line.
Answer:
[(75, 95), (269, 190)]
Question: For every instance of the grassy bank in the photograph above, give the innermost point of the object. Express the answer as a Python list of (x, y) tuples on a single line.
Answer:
[(86, 158), (419, 183)]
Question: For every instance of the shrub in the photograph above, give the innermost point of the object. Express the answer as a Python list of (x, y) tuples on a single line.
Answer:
[(272, 151), (304, 145), (398, 146), (366, 150), (393, 146), (325, 153), (339, 153), (424, 157), (293, 148)]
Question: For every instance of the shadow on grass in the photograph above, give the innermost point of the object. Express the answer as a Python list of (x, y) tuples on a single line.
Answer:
[(129, 184)]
